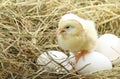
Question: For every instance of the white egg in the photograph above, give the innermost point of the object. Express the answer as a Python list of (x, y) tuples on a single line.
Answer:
[(96, 61), (109, 45), (53, 64)]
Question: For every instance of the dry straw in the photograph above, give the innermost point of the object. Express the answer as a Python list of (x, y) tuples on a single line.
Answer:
[(28, 27)]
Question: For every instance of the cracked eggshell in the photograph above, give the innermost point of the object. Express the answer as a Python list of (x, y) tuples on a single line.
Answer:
[(57, 56), (96, 61), (109, 45)]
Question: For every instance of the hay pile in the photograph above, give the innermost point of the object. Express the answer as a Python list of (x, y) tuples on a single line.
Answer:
[(27, 28)]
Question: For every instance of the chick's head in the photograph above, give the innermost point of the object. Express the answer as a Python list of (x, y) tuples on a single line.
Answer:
[(69, 27)]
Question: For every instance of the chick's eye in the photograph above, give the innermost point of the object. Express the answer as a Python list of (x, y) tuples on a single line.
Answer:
[(67, 27)]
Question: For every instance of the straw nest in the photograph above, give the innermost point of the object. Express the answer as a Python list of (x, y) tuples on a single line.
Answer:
[(27, 28)]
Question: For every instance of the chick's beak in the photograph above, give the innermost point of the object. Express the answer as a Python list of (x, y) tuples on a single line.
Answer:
[(60, 31)]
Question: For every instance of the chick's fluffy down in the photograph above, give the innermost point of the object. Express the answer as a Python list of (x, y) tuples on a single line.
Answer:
[(84, 41)]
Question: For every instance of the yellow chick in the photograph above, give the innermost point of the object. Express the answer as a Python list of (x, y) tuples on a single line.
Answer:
[(76, 35)]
